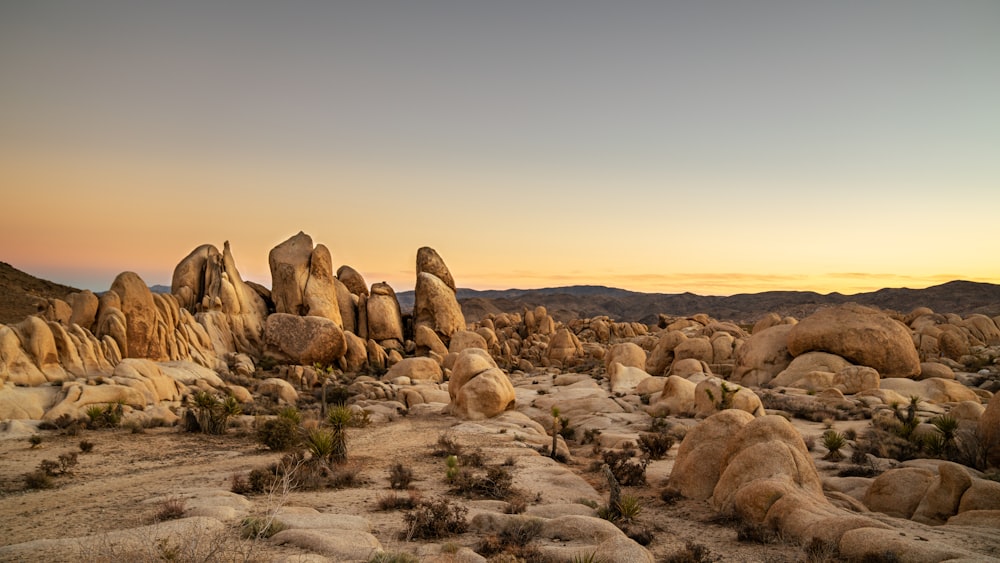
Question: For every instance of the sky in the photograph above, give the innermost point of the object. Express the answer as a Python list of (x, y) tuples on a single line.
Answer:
[(716, 147)]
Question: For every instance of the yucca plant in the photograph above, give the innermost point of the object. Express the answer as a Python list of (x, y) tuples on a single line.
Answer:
[(833, 441), (339, 419), (947, 425), (320, 443)]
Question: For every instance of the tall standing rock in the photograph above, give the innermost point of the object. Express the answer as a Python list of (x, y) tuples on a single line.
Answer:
[(435, 304), (353, 280), (140, 317), (862, 335), (319, 295), (429, 261), (384, 321), (289, 263)]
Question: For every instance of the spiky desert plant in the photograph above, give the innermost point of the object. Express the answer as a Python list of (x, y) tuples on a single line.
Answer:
[(833, 441), (339, 419), (947, 425), (320, 443)]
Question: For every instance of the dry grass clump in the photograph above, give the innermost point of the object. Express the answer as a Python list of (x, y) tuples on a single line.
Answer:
[(434, 519), (514, 541)]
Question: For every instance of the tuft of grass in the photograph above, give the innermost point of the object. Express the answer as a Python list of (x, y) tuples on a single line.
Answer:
[(258, 528), (86, 447), (171, 509), (38, 479), (393, 501), (395, 557), (35, 440)]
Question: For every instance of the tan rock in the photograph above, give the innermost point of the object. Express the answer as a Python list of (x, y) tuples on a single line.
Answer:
[(420, 368), (140, 317), (278, 389), (304, 340), (625, 354), (763, 356), (429, 261), (84, 305), (935, 389), (662, 355), (478, 388), (898, 492), (942, 498), (676, 398), (319, 294), (713, 395), (982, 494), (689, 366), (934, 369), (807, 363), (353, 280), (464, 339), (698, 348), (699, 457), (384, 320), (624, 379), (564, 347), (871, 543), (855, 379), (436, 306), (861, 335), (289, 263)]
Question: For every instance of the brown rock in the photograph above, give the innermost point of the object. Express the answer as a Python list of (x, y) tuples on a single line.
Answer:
[(662, 356), (989, 431), (353, 280), (763, 356), (435, 306), (319, 294), (421, 368), (862, 335), (304, 340), (289, 262), (942, 498), (384, 319), (898, 492), (140, 317), (430, 262), (626, 354), (699, 457)]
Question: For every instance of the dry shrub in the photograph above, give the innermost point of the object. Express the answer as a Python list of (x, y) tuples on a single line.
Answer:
[(171, 509), (400, 476), (393, 501), (627, 471), (513, 540), (433, 519)]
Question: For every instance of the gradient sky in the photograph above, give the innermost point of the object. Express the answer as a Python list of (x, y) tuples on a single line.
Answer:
[(704, 146)]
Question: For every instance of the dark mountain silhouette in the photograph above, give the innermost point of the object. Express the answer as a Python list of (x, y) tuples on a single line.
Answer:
[(21, 293), (961, 297)]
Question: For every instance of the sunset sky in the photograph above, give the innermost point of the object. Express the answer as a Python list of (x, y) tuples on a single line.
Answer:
[(703, 146)]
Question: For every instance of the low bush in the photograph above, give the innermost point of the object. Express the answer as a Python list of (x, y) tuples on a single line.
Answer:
[(279, 434), (514, 540), (86, 447), (171, 509), (400, 476), (259, 527), (393, 501), (655, 445), (435, 519), (495, 483), (626, 470), (38, 479)]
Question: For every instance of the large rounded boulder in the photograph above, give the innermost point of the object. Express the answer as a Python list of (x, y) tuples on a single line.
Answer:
[(478, 388), (304, 340), (862, 335)]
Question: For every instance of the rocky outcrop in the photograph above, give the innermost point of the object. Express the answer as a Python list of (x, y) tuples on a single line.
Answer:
[(383, 319), (763, 356)]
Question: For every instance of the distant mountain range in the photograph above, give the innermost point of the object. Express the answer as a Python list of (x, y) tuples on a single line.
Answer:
[(583, 301), (20, 294)]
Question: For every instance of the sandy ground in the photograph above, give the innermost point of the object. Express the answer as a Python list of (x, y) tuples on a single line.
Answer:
[(112, 487)]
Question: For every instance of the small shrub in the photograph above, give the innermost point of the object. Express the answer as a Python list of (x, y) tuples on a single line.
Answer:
[(851, 434), (171, 509), (67, 462), (86, 447), (588, 502), (516, 505), (135, 427), (627, 471), (431, 520), (108, 416), (238, 484), (692, 553), (320, 443), (278, 434), (393, 501), (514, 540), (256, 527), (810, 442), (400, 476), (755, 533), (496, 483), (339, 418), (38, 479), (396, 557), (35, 440), (447, 446), (628, 509), (670, 496), (590, 435), (211, 414), (655, 445)]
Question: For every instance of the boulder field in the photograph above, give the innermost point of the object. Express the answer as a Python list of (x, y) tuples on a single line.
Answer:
[(927, 381)]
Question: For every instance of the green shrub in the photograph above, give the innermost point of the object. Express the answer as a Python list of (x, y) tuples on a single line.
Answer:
[(35, 440), (278, 434), (108, 416), (339, 419), (212, 415), (320, 444)]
